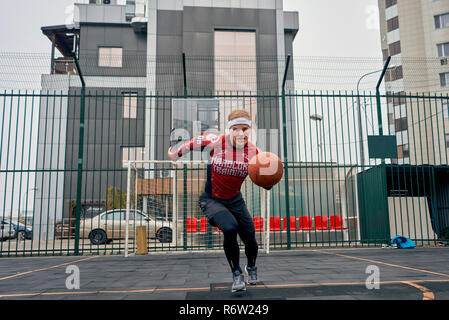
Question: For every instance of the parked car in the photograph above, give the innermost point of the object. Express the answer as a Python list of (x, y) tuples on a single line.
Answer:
[(111, 225), (6, 229), (21, 231)]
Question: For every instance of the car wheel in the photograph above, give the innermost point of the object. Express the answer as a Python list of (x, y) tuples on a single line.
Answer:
[(98, 236), (164, 235), (21, 235)]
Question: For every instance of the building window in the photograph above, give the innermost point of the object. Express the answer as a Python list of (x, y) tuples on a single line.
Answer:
[(236, 70), (393, 24), (235, 61), (443, 49), (444, 79), (390, 3), (133, 153), (400, 124), (130, 105), (394, 74), (446, 110), (447, 141), (110, 57), (442, 21), (395, 48), (403, 151)]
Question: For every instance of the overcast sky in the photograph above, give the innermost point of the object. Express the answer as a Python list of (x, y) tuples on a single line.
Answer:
[(334, 28)]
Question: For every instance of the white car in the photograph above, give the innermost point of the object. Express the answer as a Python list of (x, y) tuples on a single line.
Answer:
[(111, 225), (7, 230)]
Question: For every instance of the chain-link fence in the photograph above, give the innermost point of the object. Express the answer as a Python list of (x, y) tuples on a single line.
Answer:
[(344, 183)]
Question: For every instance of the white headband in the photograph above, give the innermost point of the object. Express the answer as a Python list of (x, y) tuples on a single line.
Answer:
[(238, 121)]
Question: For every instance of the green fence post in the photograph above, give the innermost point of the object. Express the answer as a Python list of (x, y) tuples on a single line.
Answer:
[(80, 157), (379, 111), (284, 130), (184, 209), (381, 133), (184, 74)]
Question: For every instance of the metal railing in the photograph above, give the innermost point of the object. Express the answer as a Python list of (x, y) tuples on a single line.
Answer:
[(328, 196)]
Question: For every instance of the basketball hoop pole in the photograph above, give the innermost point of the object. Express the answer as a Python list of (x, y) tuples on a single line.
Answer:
[(284, 128), (184, 72), (80, 156)]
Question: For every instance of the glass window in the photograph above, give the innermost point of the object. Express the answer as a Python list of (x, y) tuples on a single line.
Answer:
[(445, 20), (443, 49), (390, 3), (393, 24), (445, 110), (136, 216), (235, 61), (403, 151), (447, 140), (442, 21), (401, 124), (395, 48), (110, 57), (115, 215), (130, 105), (236, 71), (444, 79)]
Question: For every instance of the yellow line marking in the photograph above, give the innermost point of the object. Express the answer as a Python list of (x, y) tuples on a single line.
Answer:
[(427, 294), (384, 263), (411, 282), (43, 269)]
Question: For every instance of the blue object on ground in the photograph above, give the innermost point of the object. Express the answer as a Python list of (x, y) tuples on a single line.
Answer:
[(403, 242)]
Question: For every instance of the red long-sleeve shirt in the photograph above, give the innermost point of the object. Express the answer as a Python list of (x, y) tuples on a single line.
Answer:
[(227, 167)]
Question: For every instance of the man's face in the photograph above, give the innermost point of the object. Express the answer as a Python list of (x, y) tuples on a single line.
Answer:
[(239, 135)]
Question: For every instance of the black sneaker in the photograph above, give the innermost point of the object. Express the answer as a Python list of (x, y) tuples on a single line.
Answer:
[(238, 283), (251, 275)]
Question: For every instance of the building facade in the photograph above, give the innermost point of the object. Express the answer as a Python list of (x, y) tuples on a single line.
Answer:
[(415, 33), (130, 54)]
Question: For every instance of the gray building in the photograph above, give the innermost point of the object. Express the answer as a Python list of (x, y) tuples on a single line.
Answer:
[(131, 55)]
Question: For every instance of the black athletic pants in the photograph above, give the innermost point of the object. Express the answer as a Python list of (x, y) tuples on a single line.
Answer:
[(233, 218)]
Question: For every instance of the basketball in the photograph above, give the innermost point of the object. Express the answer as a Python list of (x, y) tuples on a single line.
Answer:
[(265, 169)]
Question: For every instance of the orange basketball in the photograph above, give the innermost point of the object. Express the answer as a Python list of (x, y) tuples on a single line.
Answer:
[(265, 169)]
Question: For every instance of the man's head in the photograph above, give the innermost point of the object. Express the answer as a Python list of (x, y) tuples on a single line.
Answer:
[(239, 124)]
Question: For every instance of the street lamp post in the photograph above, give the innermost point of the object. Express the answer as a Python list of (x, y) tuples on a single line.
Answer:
[(317, 117), (359, 116), (26, 197)]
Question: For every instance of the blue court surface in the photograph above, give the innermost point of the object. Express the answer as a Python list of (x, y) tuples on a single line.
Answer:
[(309, 274)]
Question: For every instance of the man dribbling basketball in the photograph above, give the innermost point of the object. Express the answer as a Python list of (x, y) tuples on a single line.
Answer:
[(222, 201)]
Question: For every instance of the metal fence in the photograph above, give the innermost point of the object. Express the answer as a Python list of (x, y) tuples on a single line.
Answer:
[(344, 184)]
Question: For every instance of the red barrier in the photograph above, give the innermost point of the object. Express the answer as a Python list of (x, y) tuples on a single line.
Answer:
[(305, 223), (275, 223), (321, 222), (192, 225), (292, 223), (258, 223)]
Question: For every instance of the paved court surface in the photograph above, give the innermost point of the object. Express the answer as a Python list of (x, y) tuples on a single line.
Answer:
[(310, 274)]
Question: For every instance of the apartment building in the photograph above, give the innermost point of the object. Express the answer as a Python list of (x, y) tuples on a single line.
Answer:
[(415, 33), (131, 51)]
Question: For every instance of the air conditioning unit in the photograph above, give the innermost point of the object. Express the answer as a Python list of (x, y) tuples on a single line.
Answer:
[(443, 61)]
